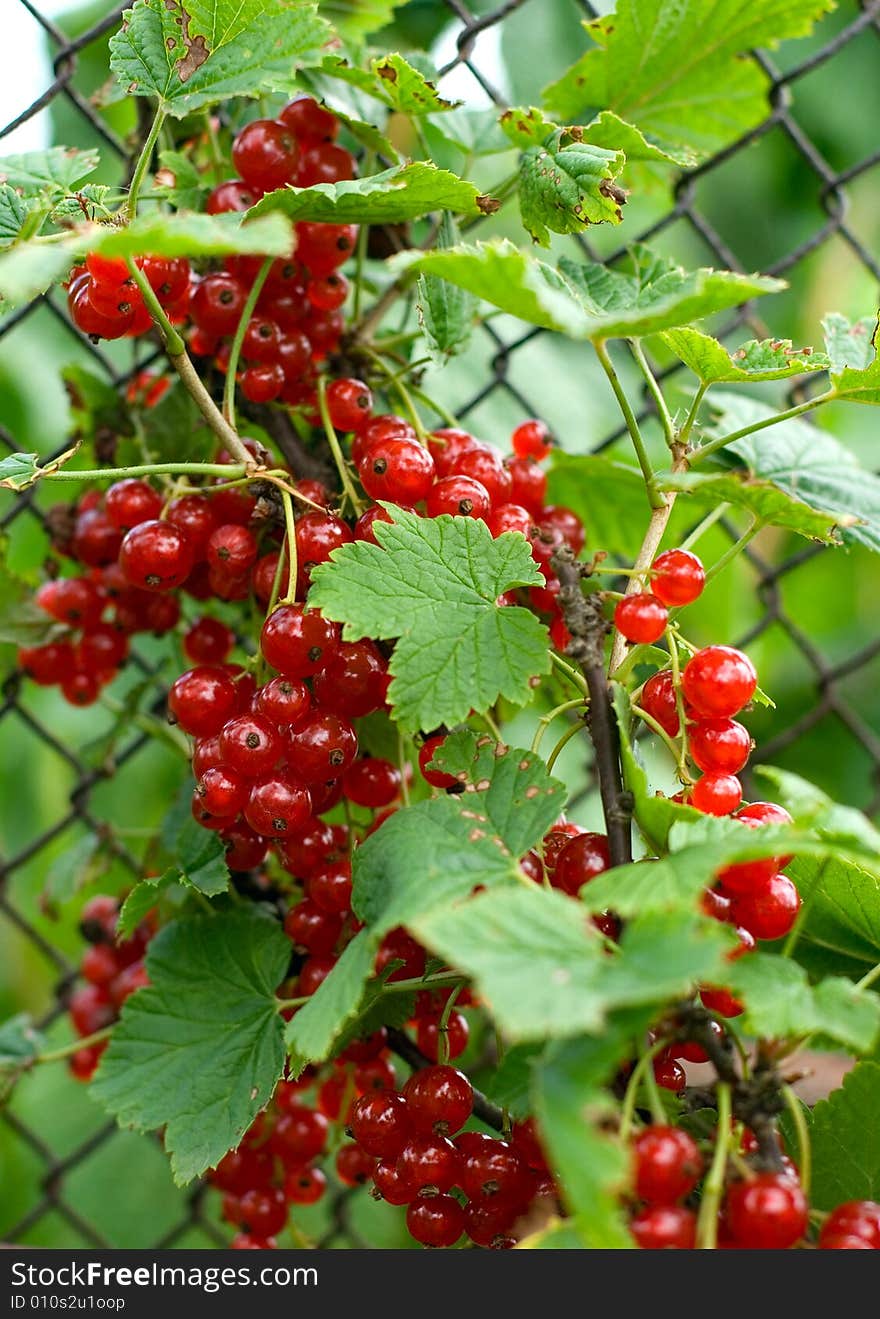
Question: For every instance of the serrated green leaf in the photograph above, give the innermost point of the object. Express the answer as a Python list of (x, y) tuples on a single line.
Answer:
[(510, 1084), (392, 80), (202, 859), (609, 130), (841, 910), (13, 214), (849, 343), (679, 71), (652, 293), (573, 1109), (780, 1002), (180, 182), (767, 501), (765, 359), (508, 278), (814, 809), (807, 464), (312, 1031), (542, 969), (141, 900), (199, 1052), (50, 173), (858, 384), (356, 19), (446, 313), (20, 1042), (567, 185), (432, 584), (402, 193), (526, 126), (845, 1139), (193, 55), (28, 269)]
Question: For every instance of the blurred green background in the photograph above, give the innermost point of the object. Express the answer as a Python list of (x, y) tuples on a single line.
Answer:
[(61, 1182)]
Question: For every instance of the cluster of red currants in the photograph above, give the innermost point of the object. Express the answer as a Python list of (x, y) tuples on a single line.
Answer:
[(112, 968)]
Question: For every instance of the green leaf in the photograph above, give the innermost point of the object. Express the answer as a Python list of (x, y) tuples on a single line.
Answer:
[(28, 269), (175, 430), (509, 1085), (841, 911), (432, 584), (849, 343), (781, 1002), (652, 293), (857, 384), (472, 132), (527, 127), (766, 500), (568, 185), (78, 865), (18, 470), (201, 857), (654, 815), (392, 80), (356, 19), (20, 1042), (609, 130), (13, 214), (180, 182), (845, 1139), (429, 855), (542, 970), (574, 1112), (808, 464), (50, 173), (814, 809), (402, 193), (680, 71), (446, 313), (193, 55), (199, 1052), (764, 359), (141, 900)]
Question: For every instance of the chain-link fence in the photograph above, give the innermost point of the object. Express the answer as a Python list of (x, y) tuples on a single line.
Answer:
[(832, 682)]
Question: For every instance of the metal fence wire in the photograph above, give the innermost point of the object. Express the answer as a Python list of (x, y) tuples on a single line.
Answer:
[(51, 1196)]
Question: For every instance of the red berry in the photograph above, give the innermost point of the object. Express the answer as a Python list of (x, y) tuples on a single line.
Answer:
[(298, 642), (222, 792), (438, 1221), (640, 618), (250, 745), (283, 701), (99, 964), (309, 121), (716, 794), (678, 577), (668, 1073), (371, 782), (324, 163), (208, 641), (324, 247), (156, 556), (581, 859), (492, 1169), (304, 1186), (196, 517), (233, 195), (769, 910), (354, 1166), (354, 681), (265, 154), (719, 746), (510, 517), (91, 1009), (262, 1212), (131, 501), (167, 276), (718, 681), (429, 1035), (767, 1212), (263, 382), (664, 1227), (458, 496), (201, 700), (277, 806), (391, 1185), (330, 887), (398, 470), (668, 1165), (48, 664), (328, 292), (322, 746), (532, 439), (482, 463), (446, 447), (309, 926), (856, 1219), (380, 1123), (262, 340), (300, 1134), (349, 403), (658, 700), (439, 1100), (317, 536), (528, 483), (429, 1161), (217, 303), (231, 550)]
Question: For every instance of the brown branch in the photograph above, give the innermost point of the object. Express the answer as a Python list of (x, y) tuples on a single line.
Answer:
[(588, 627), (305, 465), (405, 1048)]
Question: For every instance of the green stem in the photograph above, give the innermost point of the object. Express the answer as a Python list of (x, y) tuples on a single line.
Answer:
[(691, 417), (628, 1107), (656, 392), (735, 549), (443, 413), (805, 1159), (58, 1055), (655, 499), (289, 597), (870, 978), (145, 469), (336, 450), (723, 440), (143, 164), (174, 344), (390, 987), (563, 666), (247, 312), (713, 1187), (661, 733), (675, 667), (546, 720), (701, 528), (443, 1026), (402, 766), (563, 742)]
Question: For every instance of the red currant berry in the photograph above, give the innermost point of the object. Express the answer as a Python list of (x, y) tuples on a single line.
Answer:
[(391, 1186), (429, 1161), (277, 806), (482, 463), (678, 577), (641, 618), (91, 1009), (250, 745), (380, 1123), (129, 502), (510, 517), (458, 496), (309, 121), (767, 1212), (217, 303), (201, 700), (304, 1186), (372, 783), (716, 794), (492, 1169), (349, 403), (330, 887), (283, 701), (324, 247), (429, 1034), (439, 1100), (308, 926), (233, 195), (208, 641), (859, 1219), (300, 1134), (435, 777), (354, 681), (581, 859), (446, 446), (398, 470), (222, 792), (718, 681), (668, 1165), (719, 746), (298, 642), (438, 1221), (354, 1166), (265, 154), (324, 163), (532, 439), (664, 1227), (528, 483), (322, 746), (658, 700), (156, 556), (262, 1212), (769, 910)]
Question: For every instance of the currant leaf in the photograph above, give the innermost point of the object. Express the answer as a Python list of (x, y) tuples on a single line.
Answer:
[(846, 1142), (655, 815), (48, 174), (356, 19), (765, 359), (568, 185), (392, 80), (680, 73), (858, 383), (20, 1042), (781, 1002), (391, 197), (432, 584), (192, 55), (200, 1050), (849, 343)]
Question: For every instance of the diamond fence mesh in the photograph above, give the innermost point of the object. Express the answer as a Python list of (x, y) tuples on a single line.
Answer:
[(47, 1182)]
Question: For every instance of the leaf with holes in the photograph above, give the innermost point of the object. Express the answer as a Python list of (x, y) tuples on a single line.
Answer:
[(432, 585), (680, 72), (542, 970), (764, 359), (188, 54), (845, 1140), (402, 193), (567, 185), (781, 1002), (807, 464), (392, 80), (199, 1052)]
